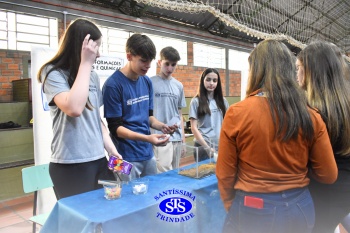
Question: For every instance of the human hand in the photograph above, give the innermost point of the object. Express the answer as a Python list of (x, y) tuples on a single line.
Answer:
[(210, 151), (159, 139), (115, 153), (169, 129), (89, 50)]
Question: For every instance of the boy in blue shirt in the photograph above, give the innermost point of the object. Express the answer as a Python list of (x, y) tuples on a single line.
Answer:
[(128, 108)]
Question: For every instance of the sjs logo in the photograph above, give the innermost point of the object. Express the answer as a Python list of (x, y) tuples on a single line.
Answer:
[(175, 206)]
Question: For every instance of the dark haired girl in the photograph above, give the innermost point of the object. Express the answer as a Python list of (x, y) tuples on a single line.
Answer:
[(207, 111)]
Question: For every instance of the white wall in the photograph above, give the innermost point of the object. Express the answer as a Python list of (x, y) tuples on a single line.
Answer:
[(239, 61)]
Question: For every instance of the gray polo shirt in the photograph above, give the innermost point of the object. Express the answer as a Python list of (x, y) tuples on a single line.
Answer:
[(75, 139), (209, 125), (168, 98)]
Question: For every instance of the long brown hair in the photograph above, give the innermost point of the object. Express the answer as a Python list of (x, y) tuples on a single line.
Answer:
[(68, 56), (272, 70), (328, 91), (202, 95)]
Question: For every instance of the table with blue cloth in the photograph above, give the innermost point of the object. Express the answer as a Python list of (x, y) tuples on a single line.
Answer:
[(91, 212)]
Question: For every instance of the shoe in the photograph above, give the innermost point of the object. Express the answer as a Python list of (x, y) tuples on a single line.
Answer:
[(9, 124)]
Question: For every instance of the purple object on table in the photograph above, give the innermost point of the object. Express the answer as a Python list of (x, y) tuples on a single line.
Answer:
[(126, 167)]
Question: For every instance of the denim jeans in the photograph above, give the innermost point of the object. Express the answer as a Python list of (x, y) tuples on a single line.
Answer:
[(290, 211), (140, 169)]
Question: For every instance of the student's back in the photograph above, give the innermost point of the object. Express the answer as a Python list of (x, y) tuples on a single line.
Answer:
[(268, 144), (322, 74)]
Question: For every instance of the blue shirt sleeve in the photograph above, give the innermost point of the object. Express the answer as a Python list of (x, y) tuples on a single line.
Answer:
[(149, 83), (112, 99)]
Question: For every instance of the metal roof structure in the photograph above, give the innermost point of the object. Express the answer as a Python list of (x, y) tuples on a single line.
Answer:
[(298, 22)]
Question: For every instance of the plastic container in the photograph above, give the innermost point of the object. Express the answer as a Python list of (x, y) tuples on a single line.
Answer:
[(112, 191), (140, 186)]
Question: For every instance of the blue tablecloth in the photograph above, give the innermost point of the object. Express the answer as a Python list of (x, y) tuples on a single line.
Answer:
[(91, 212)]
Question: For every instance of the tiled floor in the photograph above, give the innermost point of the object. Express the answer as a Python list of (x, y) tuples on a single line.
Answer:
[(14, 215)]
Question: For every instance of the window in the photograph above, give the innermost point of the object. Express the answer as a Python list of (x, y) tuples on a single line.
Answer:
[(113, 41), (21, 31), (238, 60), (208, 56)]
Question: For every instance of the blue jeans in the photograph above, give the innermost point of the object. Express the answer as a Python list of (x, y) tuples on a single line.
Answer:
[(290, 211), (140, 169)]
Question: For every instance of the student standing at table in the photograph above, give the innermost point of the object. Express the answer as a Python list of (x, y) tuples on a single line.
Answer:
[(169, 99), (207, 110), (322, 74), (269, 142), (73, 92), (128, 108)]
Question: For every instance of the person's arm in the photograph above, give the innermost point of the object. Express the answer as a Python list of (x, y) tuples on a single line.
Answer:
[(182, 127), (194, 122), (182, 104), (323, 166), (108, 143), (196, 134), (227, 161), (155, 139), (155, 124), (73, 101)]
